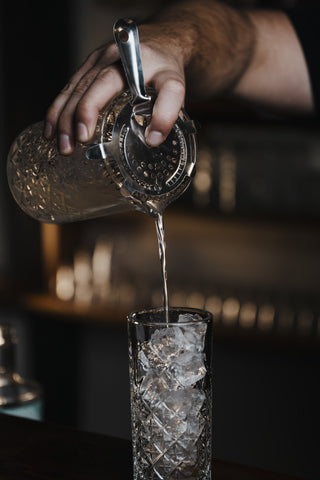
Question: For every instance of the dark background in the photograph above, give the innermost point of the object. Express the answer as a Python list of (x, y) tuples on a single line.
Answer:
[(266, 394)]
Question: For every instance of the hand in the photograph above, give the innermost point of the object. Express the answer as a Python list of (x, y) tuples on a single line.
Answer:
[(206, 39), (73, 114), (253, 54)]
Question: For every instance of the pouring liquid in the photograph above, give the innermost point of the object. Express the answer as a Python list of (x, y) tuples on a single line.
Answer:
[(162, 256)]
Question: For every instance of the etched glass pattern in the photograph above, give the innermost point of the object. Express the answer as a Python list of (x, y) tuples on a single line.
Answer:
[(171, 401), (54, 188)]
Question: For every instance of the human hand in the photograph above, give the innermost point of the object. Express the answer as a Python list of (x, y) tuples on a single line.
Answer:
[(252, 54), (207, 40), (73, 114)]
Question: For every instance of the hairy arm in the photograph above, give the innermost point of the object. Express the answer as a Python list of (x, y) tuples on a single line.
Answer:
[(203, 47), (254, 54)]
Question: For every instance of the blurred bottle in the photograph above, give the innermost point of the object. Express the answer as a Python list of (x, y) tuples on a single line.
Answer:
[(19, 397)]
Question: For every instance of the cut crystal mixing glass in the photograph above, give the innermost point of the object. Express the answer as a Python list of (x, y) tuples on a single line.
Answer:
[(117, 171)]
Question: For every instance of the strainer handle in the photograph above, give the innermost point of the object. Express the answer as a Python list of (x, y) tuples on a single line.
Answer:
[(127, 39)]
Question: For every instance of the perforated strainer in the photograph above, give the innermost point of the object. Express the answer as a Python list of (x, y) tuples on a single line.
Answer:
[(118, 171), (150, 176)]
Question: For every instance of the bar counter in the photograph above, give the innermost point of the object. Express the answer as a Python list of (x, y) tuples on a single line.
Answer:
[(31, 450)]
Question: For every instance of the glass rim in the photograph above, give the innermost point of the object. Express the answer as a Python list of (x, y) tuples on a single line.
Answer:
[(206, 316)]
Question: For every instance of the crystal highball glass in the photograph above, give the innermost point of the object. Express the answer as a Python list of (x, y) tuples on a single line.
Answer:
[(171, 393)]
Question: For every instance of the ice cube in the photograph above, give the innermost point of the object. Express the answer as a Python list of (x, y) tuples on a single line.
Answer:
[(149, 359), (194, 337), (188, 368), (144, 362), (189, 317), (176, 412), (194, 332), (194, 428), (169, 426), (181, 402), (142, 367), (166, 343), (153, 385), (174, 436)]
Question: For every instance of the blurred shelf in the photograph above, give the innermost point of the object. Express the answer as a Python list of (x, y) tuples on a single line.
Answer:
[(48, 306), (254, 269)]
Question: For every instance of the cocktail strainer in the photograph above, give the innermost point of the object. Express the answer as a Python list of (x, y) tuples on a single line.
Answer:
[(118, 171), (160, 172)]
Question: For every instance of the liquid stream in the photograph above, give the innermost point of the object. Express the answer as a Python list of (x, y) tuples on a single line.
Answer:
[(162, 256)]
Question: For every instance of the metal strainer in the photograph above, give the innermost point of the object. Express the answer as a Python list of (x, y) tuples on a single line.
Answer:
[(150, 176)]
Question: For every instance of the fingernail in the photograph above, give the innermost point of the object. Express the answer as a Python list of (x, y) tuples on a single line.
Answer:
[(82, 132), (64, 144), (154, 138), (47, 130)]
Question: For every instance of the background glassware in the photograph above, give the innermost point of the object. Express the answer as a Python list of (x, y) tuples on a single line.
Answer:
[(171, 393), (19, 397)]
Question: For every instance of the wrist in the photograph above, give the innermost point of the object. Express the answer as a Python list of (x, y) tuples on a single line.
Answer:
[(173, 32), (213, 42)]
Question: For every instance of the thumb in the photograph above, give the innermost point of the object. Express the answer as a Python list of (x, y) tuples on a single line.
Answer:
[(165, 111)]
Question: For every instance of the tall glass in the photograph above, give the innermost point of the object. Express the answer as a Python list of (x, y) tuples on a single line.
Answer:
[(171, 396)]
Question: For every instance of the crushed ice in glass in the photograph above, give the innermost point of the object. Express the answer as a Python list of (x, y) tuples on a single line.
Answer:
[(171, 366)]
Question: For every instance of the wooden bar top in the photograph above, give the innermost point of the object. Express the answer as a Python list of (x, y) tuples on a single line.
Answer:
[(31, 450)]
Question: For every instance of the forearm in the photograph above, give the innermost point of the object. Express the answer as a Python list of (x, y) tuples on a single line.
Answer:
[(215, 43), (250, 53), (277, 75), (204, 48)]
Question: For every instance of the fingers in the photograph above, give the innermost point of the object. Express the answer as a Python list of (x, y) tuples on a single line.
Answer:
[(65, 122), (57, 106), (170, 88), (108, 82), (79, 116), (73, 114)]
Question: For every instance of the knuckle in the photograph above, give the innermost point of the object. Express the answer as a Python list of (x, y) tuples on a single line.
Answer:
[(109, 53), (175, 86), (80, 88), (63, 125), (96, 56), (161, 122), (85, 111), (166, 126), (107, 74), (84, 83), (49, 115), (67, 89), (52, 114), (65, 122), (93, 56)]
